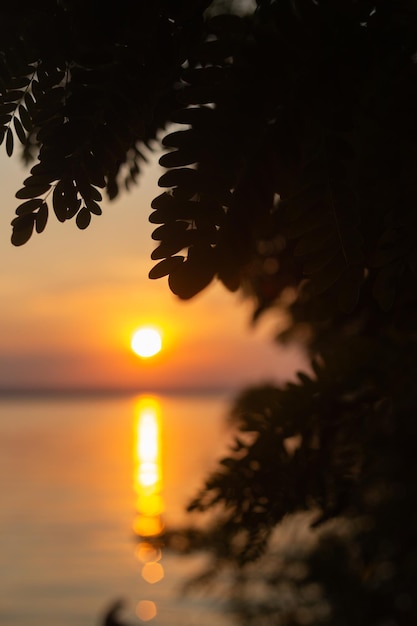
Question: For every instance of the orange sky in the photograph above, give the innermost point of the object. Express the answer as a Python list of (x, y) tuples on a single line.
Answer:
[(71, 300)]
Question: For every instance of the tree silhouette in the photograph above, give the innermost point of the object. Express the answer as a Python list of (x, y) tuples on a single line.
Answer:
[(291, 177)]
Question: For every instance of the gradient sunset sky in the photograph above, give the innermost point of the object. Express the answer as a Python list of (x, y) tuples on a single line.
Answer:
[(71, 300)]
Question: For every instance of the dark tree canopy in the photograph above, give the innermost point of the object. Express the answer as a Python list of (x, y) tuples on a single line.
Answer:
[(291, 176)]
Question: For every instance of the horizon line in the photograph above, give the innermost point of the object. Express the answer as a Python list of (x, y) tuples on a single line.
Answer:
[(27, 392)]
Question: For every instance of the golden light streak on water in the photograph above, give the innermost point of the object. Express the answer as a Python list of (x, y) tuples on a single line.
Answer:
[(147, 481), (148, 472)]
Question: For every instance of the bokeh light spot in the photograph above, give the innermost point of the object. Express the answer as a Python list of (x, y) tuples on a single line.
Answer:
[(146, 610), (152, 572)]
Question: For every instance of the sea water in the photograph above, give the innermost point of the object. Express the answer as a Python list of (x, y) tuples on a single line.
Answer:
[(68, 505)]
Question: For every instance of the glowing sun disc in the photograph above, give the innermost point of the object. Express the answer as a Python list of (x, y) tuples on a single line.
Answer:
[(146, 342)]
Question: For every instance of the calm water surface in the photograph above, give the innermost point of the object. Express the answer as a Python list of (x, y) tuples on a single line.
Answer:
[(67, 476)]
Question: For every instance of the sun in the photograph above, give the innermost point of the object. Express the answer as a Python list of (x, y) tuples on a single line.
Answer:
[(146, 341)]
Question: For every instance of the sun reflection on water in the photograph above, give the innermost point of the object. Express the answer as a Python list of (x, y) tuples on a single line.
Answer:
[(147, 472), (148, 525)]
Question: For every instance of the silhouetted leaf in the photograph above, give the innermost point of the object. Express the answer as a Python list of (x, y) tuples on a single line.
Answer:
[(31, 191), (7, 108), (12, 96), (93, 207), (41, 218), (20, 132), (95, 194), (183, 139), (60, 201), (194, 274), (83, 218), (95, 172), (22, 229), (9, 142), (196, 116), (170, 247), (178, 158), (37, 180), (47, 130), (19, 82), (182, 177), (29, 206), (54, 170), (165, 267), (164, 202), (5, 119), (73, 208), (29, 101), (83, 185), (172, 230), (25, 118)]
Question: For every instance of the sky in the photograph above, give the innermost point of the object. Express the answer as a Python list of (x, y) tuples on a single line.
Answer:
[(72, 299)]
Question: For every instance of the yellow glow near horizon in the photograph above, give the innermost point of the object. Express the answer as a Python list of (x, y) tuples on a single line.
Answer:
[(146, 342)]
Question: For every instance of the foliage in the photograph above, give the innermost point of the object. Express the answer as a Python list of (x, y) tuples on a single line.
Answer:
[(290, 175), (340, 444), (84, 88)]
